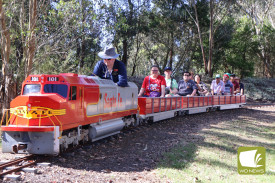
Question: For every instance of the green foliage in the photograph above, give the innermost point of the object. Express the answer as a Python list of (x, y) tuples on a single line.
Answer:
[(241, 48), (260, 89)]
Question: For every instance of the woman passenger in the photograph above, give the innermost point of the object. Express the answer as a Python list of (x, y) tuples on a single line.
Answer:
[(153, 85), (202, 88), (171, 84)]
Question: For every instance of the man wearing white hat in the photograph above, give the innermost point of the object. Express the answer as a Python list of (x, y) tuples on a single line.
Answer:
[(111, 68)]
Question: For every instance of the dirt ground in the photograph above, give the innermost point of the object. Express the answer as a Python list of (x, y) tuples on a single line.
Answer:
[(133, 155)]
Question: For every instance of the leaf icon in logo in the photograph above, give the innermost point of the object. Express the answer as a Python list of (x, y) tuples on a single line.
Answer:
[(257, 159), (250, 158)]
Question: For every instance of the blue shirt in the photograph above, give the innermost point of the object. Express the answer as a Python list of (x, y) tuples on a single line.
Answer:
[(227, 86), (186, 88), (118, 75)]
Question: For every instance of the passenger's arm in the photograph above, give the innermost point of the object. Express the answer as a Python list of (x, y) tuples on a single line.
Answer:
[(162, 90), (174, 91), (194, 92), (122, 75), (237, 91), (232, 91), (222, 89), (212, 88), (97, 70), (141, 92)]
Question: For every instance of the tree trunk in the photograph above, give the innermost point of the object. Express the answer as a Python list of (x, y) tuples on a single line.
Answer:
[(5, 55), (135, 58), (172, 50), (200, 38), (209, 69), (82, 49), (125, 52), (31, 37)]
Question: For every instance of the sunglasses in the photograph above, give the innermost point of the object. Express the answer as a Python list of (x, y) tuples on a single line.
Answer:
[(154, 70), (186, 75), (108, 59)]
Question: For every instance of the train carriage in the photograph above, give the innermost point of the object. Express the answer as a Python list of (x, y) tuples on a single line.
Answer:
[(155, 109)]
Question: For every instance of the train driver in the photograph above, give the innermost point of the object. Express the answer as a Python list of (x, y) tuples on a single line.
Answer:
[(111, 68)]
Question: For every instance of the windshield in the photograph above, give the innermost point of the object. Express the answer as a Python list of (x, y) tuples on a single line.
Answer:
[(56, 88), (31, 88)]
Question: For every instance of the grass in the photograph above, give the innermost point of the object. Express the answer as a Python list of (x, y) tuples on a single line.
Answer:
[(214, 159)]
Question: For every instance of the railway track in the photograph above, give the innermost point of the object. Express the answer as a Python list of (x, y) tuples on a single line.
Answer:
[(18, 164)]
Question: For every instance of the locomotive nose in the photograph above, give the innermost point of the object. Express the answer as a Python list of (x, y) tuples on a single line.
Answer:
[(34, 110)]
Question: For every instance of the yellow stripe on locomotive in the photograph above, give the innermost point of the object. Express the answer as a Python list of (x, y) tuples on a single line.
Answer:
[(36, 112)]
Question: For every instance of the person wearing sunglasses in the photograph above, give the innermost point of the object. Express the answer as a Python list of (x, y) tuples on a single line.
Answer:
[(187, 87), (153, 85), (111, 68)]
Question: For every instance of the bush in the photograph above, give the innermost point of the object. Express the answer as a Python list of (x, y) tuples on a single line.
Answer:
[(261, 89)]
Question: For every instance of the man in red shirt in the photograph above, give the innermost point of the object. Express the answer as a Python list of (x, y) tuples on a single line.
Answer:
[(235, 83)]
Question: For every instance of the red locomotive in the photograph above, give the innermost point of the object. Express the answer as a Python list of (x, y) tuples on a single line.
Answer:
[(54, 111)]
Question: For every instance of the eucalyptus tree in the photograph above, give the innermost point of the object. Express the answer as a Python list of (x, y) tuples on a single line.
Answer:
[(169, 34), (5, 57), (217, 11), (262, 14), (239, 55), (18, 42), (123, 23), (70, 36)]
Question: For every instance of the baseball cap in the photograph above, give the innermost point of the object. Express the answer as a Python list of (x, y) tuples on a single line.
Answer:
[(167, 68), (218, 76)]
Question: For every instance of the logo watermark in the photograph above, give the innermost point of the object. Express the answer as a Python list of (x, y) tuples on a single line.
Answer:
[(251, 160)]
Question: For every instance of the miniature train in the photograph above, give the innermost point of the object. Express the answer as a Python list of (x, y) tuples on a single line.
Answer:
[(55, 111)]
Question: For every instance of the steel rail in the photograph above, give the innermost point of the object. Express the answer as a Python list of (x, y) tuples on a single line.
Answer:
[(14, 162), (16, 169)]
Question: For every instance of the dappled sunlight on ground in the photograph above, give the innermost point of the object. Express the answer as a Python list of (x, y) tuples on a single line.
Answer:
[(215, 157)]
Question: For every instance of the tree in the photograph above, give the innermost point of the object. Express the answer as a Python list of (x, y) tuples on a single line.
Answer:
[(262, 16), (218, 10), (5, 55)]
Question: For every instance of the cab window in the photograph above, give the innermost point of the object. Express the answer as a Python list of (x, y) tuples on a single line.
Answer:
[(31, 88), (56, 88), (72, 94)]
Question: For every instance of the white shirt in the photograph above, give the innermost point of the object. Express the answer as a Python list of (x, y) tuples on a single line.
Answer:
[(217, 88)]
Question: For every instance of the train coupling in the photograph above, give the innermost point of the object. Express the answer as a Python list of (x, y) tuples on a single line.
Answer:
[(19, 147)]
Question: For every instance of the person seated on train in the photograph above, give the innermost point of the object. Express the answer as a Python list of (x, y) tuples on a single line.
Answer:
[(111, 68), (153, 85), (235, 84), (186, 86), (202, 88), (241, 86), (171, 84), (217, 86), (228, 86)]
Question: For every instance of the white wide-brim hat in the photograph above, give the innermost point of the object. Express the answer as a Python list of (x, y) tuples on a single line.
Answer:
[(108, 53)]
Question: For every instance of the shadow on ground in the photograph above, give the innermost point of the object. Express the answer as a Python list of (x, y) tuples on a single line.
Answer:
[(142, 148)]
